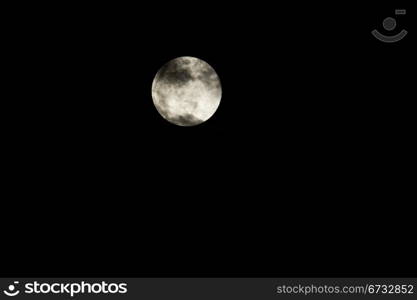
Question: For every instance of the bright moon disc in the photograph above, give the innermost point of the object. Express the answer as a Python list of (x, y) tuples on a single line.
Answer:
[(186, 91)]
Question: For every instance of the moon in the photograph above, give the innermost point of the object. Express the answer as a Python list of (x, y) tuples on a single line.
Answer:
[(186, 91)]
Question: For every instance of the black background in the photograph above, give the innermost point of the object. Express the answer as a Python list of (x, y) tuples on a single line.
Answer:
[(304, 170)]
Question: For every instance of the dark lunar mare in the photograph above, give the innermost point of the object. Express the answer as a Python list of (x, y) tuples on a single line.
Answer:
[(176, 72), (209, 77), (186, 120)]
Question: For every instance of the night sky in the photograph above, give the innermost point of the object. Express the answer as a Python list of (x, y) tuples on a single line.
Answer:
[(302, 171)]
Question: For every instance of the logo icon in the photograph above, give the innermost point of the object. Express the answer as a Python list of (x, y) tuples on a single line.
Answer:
[(390, 24), (12, 291)]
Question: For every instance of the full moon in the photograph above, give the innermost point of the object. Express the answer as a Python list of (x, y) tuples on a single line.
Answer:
[(186, 91)]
